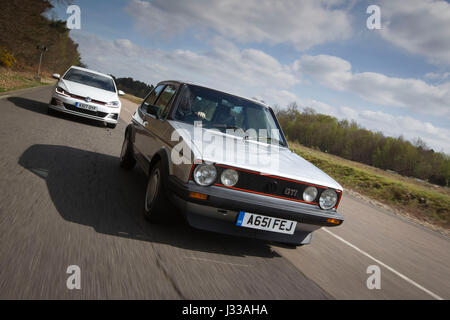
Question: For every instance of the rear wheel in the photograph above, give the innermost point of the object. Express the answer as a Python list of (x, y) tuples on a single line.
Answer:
[(155, 202), (127, 160)]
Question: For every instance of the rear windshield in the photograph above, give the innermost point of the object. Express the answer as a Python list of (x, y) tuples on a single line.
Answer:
[(90, 79)]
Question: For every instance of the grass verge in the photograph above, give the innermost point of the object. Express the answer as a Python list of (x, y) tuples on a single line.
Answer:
[(14, 80), (425, 202), (132, 98)]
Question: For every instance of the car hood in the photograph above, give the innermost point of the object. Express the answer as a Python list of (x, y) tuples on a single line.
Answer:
[(88, 91), (288, 164)]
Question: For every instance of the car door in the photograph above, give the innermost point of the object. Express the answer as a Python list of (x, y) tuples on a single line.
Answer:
[(157, 127), (139, 122)]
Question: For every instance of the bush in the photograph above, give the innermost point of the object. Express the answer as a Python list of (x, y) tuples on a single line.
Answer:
[(6, 58)]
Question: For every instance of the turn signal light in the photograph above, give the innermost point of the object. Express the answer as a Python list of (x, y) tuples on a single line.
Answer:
[(333, 221), (198, 195)]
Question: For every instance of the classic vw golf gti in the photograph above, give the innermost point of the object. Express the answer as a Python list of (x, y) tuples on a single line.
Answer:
[(209, 153), (87, 93)]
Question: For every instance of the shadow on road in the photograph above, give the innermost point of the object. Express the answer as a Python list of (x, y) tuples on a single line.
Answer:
[(89, 188), (41, 107)]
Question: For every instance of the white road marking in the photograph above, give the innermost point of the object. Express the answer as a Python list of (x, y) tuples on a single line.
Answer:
[(385, 265), (216, 261)]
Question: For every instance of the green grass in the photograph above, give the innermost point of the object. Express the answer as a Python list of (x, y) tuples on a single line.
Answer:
[(11, 80), (133, 98), (425, 202)]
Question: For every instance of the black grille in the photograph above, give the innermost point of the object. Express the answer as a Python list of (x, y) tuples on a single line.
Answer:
[(92, 113), (270, 185)]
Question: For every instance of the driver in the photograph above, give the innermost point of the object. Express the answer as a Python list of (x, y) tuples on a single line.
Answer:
[(185, 111)]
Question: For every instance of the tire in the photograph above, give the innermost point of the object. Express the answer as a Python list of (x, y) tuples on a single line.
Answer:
[(111, 125), (155, 200), (127, 160), (50, 111)]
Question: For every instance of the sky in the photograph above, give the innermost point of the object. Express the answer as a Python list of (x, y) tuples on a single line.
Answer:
[(317, 53)]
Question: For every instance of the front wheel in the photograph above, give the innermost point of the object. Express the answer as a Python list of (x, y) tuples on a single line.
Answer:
[(155, 202), (127, 160), (111, 125)]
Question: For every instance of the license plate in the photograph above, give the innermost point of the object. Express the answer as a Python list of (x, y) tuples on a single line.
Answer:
[(256, 221), (85, 106)]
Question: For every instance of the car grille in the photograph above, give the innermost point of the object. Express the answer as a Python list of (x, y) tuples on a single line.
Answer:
[(279, 187), (89, 112)]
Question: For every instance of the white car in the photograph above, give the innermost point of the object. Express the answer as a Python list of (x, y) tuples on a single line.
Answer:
[(88, 94)]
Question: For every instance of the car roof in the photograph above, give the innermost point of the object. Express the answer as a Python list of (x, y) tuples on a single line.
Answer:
[(92, 71), (199, 85)]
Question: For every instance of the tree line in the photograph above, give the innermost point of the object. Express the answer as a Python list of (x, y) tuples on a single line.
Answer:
[(23, 28), (135, 87), (349, 140)]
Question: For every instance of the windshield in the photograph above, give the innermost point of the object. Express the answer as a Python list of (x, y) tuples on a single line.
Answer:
[(90, 79), (224, 112)]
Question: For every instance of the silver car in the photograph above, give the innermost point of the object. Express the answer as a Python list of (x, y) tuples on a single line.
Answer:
[(224, 161)]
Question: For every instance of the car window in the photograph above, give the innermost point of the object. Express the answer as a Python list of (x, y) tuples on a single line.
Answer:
[(223, 111), (152, 96), (90, 79), (164, 99)]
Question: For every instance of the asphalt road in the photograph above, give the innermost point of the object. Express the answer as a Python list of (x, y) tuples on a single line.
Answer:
[(65, 201)]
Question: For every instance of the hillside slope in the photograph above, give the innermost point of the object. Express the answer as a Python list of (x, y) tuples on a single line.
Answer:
[(23, 28)]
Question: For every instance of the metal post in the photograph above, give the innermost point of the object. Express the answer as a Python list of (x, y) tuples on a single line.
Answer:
[(40, 61), (43, 49)]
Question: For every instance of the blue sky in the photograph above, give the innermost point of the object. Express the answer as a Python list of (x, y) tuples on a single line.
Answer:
[(318, 53)]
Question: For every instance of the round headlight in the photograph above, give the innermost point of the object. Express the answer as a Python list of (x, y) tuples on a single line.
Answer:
[(205, 174), (328, 199), (229, 177), (310, 194)]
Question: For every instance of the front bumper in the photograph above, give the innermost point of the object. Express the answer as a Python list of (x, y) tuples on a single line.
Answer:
[(67, 105), (219, 212)]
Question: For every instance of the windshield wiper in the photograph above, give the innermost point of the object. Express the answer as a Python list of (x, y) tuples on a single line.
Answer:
[(222, 126)]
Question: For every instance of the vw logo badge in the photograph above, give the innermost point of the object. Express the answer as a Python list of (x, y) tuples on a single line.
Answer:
[(88, 99)]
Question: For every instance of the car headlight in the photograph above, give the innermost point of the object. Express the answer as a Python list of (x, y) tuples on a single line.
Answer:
[(113, 104), (310, 194), (328, 199), (61, 91), (229, 177), (205, 174)]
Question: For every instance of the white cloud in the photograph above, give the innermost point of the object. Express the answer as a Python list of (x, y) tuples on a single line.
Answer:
[(247, 72), (418, 26), (302, 23), (437, 76), (390, 125), (413, 94)]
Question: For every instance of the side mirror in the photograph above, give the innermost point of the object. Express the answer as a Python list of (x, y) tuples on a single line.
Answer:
[(154, 110), (120, 93), (56, 75)]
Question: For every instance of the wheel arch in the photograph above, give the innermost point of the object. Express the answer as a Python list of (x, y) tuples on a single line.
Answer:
[(162, 156)]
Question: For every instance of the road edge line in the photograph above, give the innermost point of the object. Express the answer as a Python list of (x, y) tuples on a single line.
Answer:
[(435, 296)]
